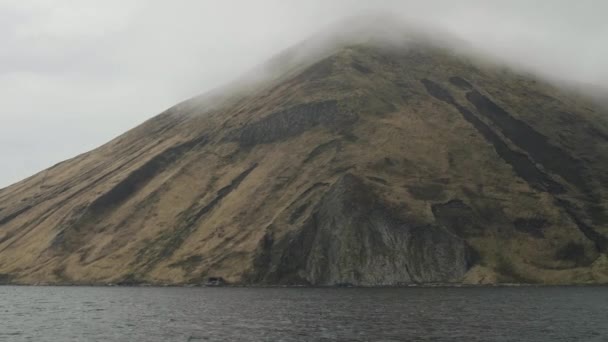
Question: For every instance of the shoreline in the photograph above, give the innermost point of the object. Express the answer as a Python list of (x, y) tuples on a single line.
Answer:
[(254, 286)]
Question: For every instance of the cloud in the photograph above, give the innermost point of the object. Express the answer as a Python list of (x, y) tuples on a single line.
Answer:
[(74, 74)]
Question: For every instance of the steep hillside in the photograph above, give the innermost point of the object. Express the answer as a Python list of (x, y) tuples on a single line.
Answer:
[(371, 165)]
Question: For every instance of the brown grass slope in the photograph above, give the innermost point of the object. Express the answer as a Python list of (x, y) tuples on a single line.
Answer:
[(370, 166)]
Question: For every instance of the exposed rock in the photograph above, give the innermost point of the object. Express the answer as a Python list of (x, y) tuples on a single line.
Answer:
[(457, 217), (352, 238), (334, 144), (361, 68), (166, 244), (523, 166), (575, 253), (11, 216), (532, 226), (552, 158), (294, 121), (215, 281), (461, 83), (426, 192), (5, 279), (141, 176)]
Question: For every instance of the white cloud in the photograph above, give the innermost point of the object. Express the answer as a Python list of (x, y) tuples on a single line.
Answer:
[(74, 74)]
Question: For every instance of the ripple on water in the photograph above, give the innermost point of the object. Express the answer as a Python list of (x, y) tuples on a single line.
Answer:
[(270, 314)]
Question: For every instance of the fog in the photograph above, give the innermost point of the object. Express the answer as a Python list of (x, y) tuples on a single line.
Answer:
[(74, 74)]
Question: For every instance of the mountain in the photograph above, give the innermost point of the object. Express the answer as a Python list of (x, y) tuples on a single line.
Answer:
[(367, 162)]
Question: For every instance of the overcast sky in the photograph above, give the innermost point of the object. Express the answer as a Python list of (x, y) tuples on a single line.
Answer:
[(74, 74)]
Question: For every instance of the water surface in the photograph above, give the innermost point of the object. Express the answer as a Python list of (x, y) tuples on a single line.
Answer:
[(303, 314)]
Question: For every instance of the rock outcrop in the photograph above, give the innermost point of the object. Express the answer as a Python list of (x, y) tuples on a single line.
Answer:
[(351, 237)]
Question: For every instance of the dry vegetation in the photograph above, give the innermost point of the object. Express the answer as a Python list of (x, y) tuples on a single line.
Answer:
[(229, 189)]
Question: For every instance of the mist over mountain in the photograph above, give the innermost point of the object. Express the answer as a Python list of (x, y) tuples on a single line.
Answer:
[(377, 152), (77, 74)]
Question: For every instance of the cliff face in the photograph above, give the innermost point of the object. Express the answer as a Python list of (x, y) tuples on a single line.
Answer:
[(351, 237), (369, 166)]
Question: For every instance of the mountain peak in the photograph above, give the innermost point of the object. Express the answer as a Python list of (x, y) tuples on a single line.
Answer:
[(379, 30), (368, 163)]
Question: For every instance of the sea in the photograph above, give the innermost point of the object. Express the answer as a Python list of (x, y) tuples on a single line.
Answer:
[(303, 314)]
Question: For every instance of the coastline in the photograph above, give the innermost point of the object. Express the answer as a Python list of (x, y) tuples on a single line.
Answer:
[(258, 286)]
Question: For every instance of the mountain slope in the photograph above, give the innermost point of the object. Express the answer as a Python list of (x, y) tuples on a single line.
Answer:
[(370, 165)]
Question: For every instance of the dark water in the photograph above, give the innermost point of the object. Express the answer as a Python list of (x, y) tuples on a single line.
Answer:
[(271, 314)]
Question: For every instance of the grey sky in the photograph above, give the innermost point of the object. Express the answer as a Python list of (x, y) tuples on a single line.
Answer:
[(74, 74)]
